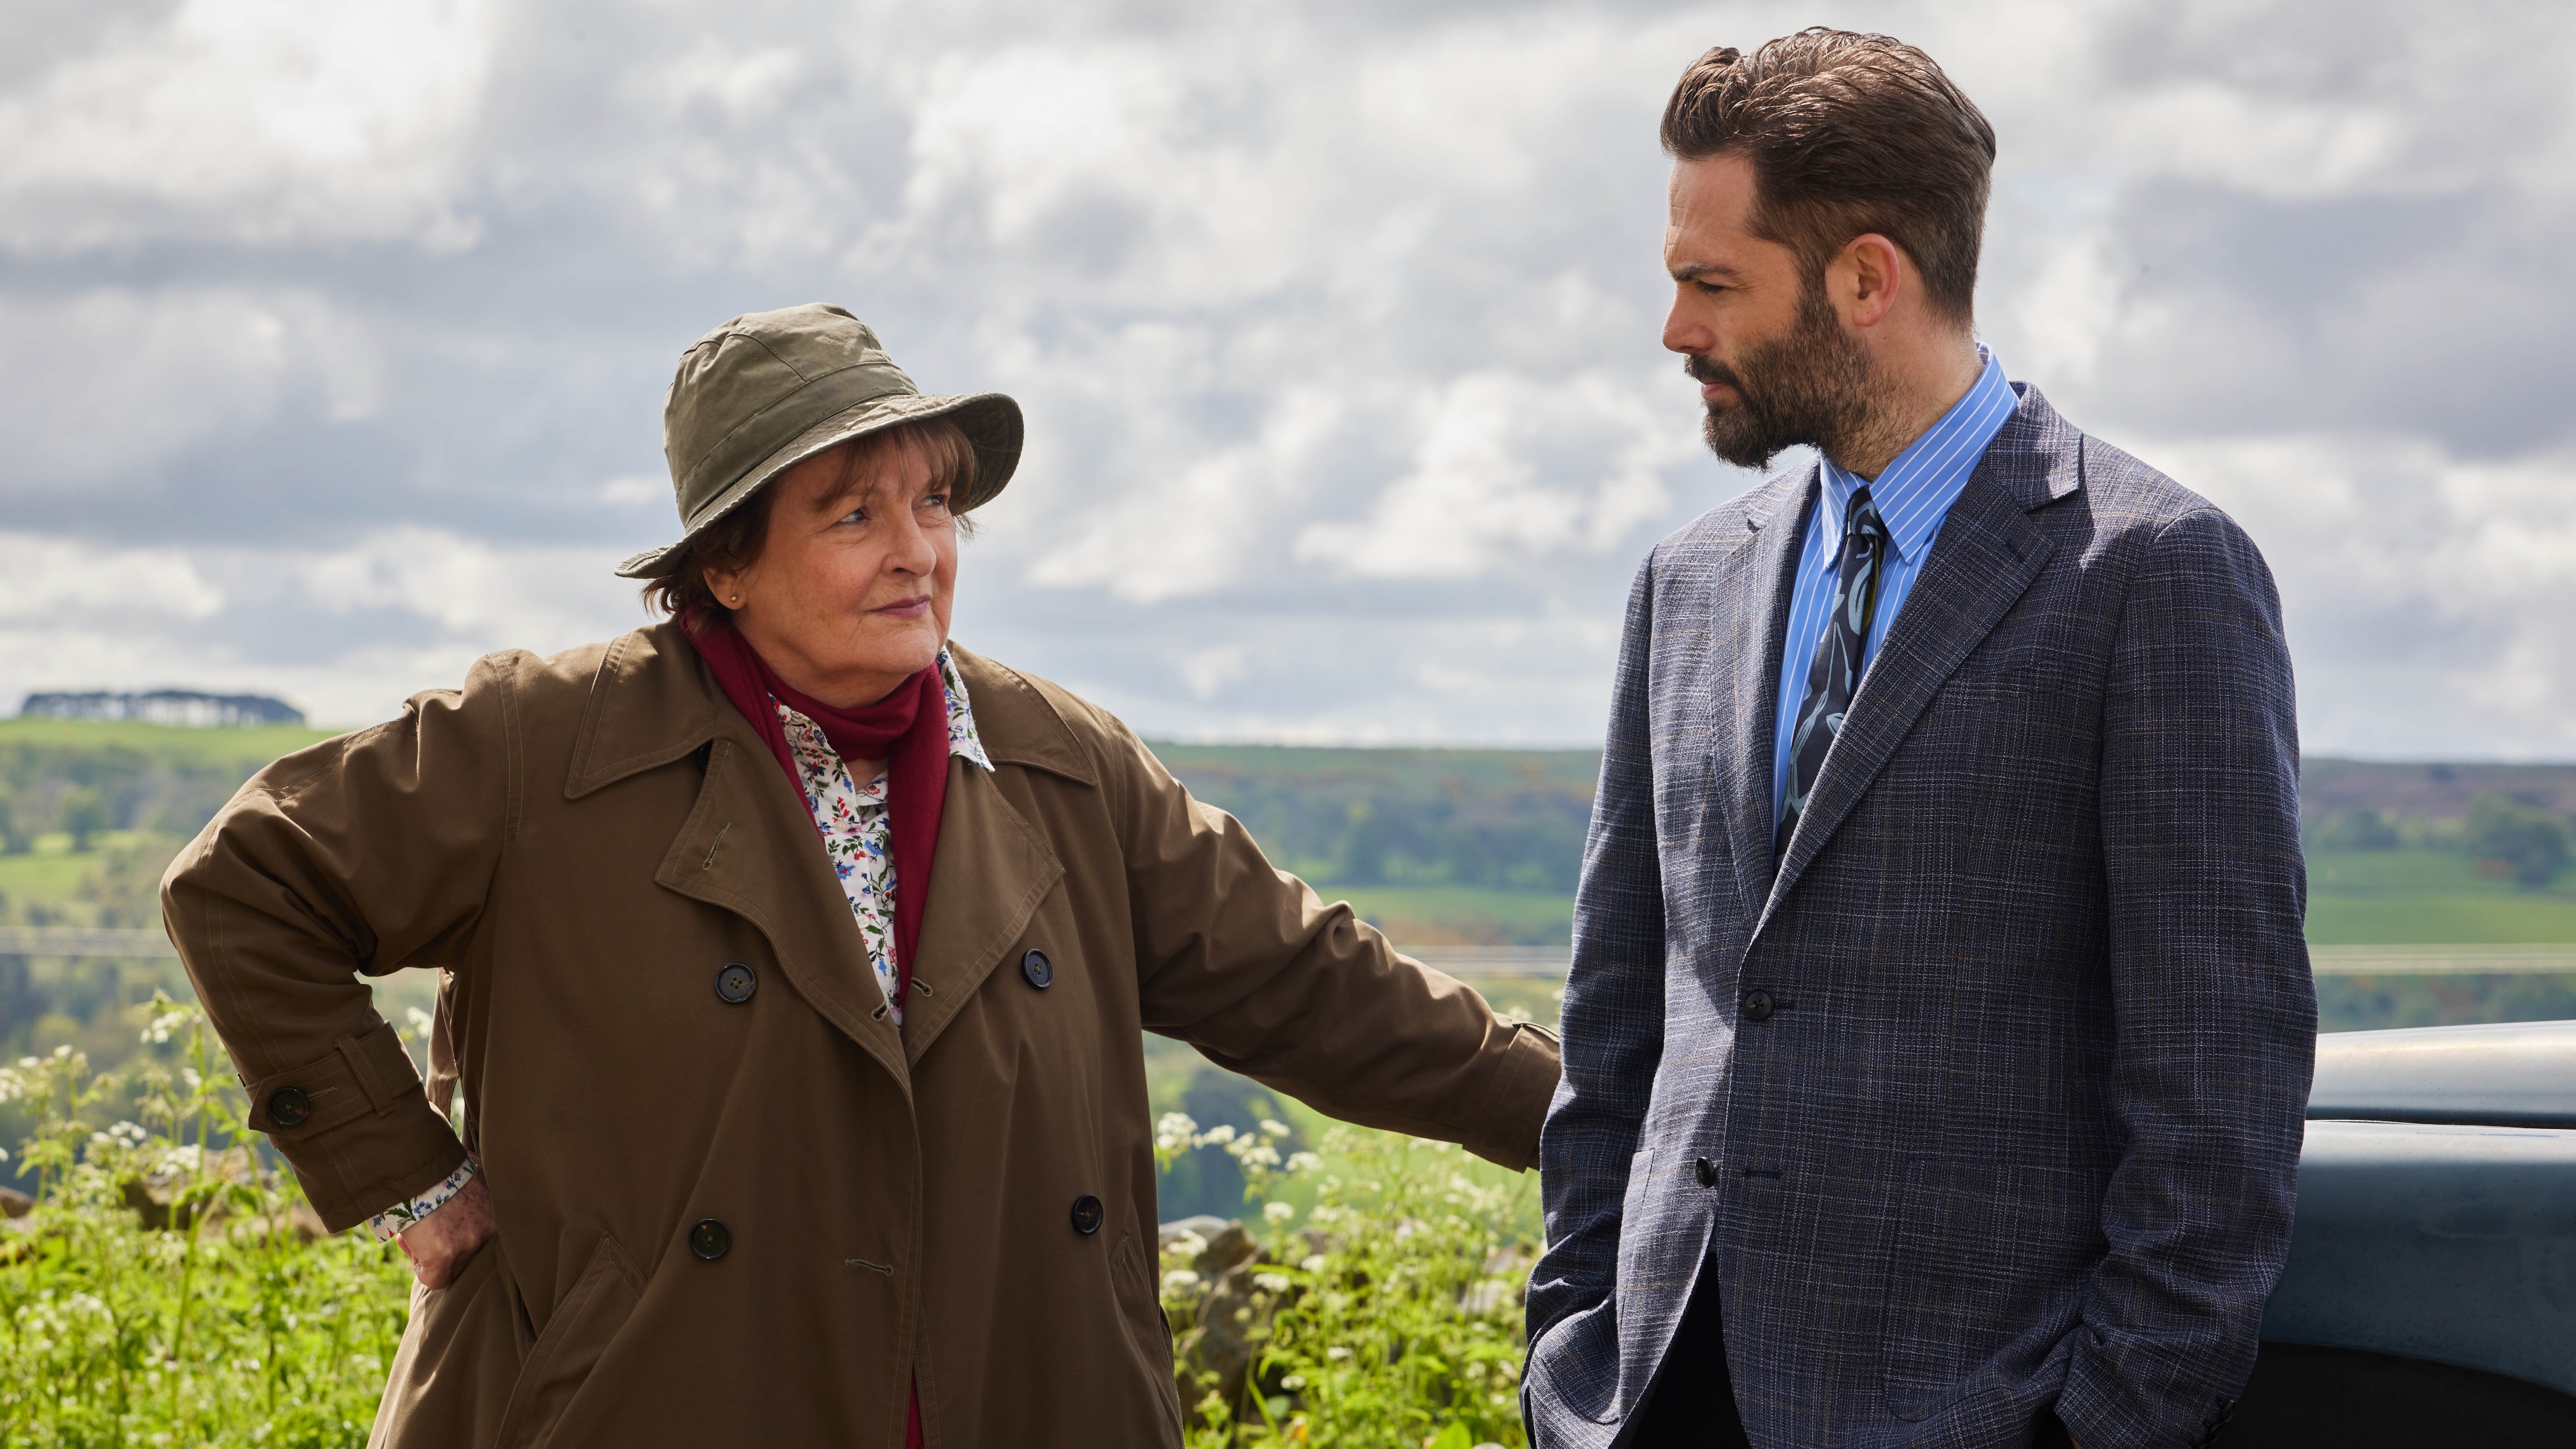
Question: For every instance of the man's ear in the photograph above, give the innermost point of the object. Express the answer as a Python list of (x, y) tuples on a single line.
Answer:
[(1869, 276)]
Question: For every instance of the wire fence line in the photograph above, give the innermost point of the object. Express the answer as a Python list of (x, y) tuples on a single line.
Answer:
[(1537, 962)]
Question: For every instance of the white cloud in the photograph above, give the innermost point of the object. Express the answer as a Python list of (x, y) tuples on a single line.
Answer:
[(254, 121), (1511, 470), (2423, 591), (294, 621), (110, 379), (1336, 328)]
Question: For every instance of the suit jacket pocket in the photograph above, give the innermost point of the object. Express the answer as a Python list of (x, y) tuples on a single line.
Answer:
[(1988, 1271), (583, 1324)]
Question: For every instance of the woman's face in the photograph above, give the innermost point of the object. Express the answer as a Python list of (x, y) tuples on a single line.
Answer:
[(856, 576)]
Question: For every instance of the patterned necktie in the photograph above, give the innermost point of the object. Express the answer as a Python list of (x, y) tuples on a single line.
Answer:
[(1835, 674)]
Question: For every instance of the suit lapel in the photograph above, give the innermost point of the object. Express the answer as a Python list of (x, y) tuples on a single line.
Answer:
[(1749, 599), (1984, 559)]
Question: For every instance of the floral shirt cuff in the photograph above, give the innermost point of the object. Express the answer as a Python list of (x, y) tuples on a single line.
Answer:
[(412, 1209)]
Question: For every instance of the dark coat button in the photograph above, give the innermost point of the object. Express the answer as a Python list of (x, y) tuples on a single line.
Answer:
[(1041, 974), (1758, 1004), (1705, 1171), (736, 982), (1087, 1214), (710, 1239), (289, 1107)]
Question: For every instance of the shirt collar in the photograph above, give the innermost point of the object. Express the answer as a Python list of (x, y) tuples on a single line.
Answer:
[(963, 739), (1915, 491)]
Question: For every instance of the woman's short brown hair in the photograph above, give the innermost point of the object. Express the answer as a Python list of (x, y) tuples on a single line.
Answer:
[(1848, 134), (734, 541)]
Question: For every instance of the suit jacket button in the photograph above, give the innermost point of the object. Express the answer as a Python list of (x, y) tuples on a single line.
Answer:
[(1039, 970), (1087, 1214), (1705, 1171), (736, 982), (1758, 1005), (710, 1239), (289, 1107)]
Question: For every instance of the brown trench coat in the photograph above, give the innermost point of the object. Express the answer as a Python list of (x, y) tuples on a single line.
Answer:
[(578, 845)]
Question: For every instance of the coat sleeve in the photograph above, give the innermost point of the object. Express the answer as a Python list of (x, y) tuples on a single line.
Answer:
[(2215, 1007), (1247, 964), (363, 854), (1614, 1004)]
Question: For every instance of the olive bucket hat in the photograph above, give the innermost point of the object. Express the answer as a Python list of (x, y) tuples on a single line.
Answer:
[(769, 390)]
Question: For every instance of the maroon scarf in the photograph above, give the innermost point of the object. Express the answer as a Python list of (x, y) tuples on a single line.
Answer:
[(907, 729)]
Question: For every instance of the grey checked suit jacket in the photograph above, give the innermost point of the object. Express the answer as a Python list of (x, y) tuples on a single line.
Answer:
[(2022, 1129)]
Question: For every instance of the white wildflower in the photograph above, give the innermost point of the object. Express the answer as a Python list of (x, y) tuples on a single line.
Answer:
[(1218, 1135), (1271, 1282), (1279, 1212), (1304, 1161), (1179, 1280), (1293, 1382), (1337, 1352), (1186, 1245), (1273, 1127), (1314, 1263)]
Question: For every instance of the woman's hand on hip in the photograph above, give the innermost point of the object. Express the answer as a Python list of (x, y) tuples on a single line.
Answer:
[(441, 1244)]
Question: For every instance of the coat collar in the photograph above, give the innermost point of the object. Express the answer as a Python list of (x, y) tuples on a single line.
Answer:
[(748, 843), (653, 701), (1987, 555)]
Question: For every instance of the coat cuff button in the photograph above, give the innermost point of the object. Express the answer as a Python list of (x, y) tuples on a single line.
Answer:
[(289, 1107)]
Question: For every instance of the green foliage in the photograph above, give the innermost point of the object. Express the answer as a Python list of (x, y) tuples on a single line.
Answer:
[(1499, 819), (17, 828), (85, 776), (2358, 828), (83, 813), (170, 1286), (2530, 843), (1392, 1316)]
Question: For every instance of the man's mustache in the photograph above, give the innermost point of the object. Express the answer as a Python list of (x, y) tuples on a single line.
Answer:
[(1708, 370)]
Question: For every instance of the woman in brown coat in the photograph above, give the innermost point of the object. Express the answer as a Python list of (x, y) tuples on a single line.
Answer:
[(791, 962)]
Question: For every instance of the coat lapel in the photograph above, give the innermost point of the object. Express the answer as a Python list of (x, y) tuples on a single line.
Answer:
[(1985, 557), (749, 846), (992, 869), (1750, 591)]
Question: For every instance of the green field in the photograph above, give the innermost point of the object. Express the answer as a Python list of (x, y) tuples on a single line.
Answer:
[(2428, 898), (243, 750), (1460, 915)]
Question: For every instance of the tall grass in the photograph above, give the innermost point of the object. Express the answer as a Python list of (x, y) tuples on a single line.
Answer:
[(171, 1287)]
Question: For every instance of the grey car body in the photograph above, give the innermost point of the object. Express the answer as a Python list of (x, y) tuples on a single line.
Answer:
[(2430, 1293)]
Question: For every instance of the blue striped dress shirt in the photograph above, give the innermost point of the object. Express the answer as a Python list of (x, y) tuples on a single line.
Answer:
[(1913, 494)]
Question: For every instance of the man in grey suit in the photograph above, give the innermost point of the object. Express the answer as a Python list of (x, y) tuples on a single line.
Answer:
[(1940, 1023)]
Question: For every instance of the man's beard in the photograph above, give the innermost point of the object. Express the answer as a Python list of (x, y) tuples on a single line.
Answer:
[(1814, 386)]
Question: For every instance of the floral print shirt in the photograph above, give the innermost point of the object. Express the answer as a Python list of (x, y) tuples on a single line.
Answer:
[(858, 836), (858, 829)]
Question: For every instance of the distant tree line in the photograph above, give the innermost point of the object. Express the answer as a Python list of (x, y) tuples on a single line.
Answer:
[(2515, 838), (85, 789), (1416, 827)]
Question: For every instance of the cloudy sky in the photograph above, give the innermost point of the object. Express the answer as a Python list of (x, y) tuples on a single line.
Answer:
[(333, 337)]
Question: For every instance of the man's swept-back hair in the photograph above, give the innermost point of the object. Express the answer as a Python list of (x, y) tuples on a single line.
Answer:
[(1848, 134)]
